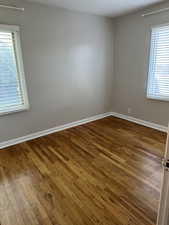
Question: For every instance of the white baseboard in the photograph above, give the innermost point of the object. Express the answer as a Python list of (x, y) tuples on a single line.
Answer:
[(52, 130), (141, 122), (77, 123)]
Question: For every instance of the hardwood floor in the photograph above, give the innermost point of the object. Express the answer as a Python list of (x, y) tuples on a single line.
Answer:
[(107, 172)]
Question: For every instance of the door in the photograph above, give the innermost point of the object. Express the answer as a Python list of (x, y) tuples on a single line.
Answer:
[(163, 214)]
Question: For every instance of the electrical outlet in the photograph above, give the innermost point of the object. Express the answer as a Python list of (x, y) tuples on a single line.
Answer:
[(129, 110)]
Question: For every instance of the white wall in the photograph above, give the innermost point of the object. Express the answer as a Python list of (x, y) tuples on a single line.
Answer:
[(132, 43), (68, 60), (75, 68)]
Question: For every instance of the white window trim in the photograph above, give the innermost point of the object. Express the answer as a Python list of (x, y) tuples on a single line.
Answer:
[(20, 68), (158, 98), (165, 99)]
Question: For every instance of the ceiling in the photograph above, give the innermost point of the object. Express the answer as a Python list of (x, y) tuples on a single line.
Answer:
[(101, 7)]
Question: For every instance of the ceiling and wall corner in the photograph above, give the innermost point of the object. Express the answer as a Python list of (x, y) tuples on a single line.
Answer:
[(111, 8)]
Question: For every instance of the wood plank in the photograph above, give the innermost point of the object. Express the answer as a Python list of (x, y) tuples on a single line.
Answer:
[(106, 172)]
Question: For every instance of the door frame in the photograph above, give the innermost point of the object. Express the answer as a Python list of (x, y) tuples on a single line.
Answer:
[(163, 212)]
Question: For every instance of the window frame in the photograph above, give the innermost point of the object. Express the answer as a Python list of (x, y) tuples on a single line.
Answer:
[(149, 66), (20, 69)]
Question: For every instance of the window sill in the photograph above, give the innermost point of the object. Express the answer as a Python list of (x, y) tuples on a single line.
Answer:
[(158, 98), (15, 110)]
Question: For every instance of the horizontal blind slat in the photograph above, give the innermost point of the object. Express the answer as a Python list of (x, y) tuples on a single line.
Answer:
[(158, 82), (10, 91)]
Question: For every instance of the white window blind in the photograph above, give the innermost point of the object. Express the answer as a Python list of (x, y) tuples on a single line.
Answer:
[(13, 96), (158, 79)]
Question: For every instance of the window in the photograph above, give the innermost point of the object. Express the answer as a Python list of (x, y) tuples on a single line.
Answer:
[(158, 79), (13, 95)]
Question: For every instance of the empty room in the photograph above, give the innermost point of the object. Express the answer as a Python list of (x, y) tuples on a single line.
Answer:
[(84, 112)]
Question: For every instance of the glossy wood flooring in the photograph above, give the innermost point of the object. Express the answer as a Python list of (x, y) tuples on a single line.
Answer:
[(107, 172)]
